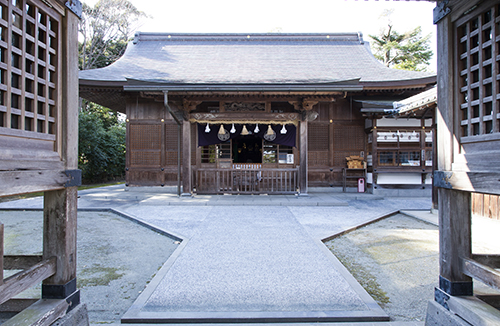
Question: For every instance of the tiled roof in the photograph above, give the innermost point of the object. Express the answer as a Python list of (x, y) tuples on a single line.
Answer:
[(250, 59)]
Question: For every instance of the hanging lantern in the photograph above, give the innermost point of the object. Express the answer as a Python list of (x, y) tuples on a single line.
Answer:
[(233, 129), (270, 131), (222, 131), (207, 129), (244, 132), (283, 130), (256, 130)]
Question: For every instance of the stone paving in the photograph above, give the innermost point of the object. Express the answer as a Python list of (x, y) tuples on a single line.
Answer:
[(249, 258)]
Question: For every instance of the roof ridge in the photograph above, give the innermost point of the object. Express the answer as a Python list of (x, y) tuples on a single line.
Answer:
[(250, 37)]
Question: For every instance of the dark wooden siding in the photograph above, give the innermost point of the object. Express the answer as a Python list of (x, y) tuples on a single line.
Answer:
[(338, 132)]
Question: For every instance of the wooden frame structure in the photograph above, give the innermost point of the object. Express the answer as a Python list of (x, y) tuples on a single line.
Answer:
[(468, 143), (38, 146), (401, 147), (210, 84)]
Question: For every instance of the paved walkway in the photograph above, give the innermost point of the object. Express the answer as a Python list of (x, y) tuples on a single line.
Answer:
[(249, 258)]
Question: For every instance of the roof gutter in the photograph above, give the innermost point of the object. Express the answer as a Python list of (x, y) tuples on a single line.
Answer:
[(244, 88)]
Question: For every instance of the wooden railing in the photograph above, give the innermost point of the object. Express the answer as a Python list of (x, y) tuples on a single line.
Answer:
[(34, 270), (246, 181)]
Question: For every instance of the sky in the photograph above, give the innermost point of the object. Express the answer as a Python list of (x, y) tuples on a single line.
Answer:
[(285, 16)]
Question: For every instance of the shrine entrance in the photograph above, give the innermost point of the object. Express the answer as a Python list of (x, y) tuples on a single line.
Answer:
[(247, 149), (245, 160)]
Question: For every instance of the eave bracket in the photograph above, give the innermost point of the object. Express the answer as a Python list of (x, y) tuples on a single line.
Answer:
[(441, 11)]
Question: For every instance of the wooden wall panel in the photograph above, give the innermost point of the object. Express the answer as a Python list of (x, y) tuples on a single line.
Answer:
[(318, 137), (486, 205), (146, 110), (145, 137), (338, 132)]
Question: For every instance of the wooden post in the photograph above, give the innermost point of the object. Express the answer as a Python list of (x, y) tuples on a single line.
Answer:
[(374, 155), (454, 206), (1, 253), (454, 241), (60, 206), (303, 158), (186, 159)]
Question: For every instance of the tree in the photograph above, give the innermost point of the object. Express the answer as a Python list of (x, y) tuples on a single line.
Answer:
[(407, 51), (105, 30), (101, 144)]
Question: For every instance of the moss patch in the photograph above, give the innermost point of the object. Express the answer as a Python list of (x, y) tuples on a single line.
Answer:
[(98, 275), (364, 277)]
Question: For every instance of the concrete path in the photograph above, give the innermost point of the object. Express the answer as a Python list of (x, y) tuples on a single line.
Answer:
[(249, 258)]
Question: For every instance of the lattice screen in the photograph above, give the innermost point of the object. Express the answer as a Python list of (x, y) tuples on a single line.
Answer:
[(349, 137), (171, 139), (145, 158), (478, 70), (317, 137), (318, 158), (143, 137), (29, 49), (145, 145)]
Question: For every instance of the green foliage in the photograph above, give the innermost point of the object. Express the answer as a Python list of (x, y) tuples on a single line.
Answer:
[(101, 147), (105, 30), (407, 51)]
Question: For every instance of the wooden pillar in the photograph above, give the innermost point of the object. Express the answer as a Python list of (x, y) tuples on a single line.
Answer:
[(454, 206), (454, 241), (186, 159), (303, 157), (374, 154), (60, 206), (1, 253)]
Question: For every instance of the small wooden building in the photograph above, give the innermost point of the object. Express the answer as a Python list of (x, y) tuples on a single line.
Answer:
[(245, 113), (39, 153), (400, 145), (468, 143)]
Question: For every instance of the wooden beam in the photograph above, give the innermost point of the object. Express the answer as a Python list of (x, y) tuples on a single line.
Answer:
[(20, 262), (473, 311), (240, 117), (20, 182), (489, 260), (42, 313), (21, 281), (485, 274), (26, 164), (482, 182), (16, 305)]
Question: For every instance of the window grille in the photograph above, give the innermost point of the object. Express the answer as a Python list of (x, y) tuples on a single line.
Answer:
[(29, 55), (478, 67)]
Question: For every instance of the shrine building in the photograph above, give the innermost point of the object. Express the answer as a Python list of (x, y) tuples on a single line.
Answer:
[(256, 113)]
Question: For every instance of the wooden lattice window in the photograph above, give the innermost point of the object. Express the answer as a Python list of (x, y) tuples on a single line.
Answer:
[(29, 60), (318, 137), (171, 143), (145, 145), (478, 42)]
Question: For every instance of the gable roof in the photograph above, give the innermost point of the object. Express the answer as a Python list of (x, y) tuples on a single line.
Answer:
[(249, 62)]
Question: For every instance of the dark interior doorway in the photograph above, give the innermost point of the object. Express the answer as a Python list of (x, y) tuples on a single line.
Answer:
[(247, 149)]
